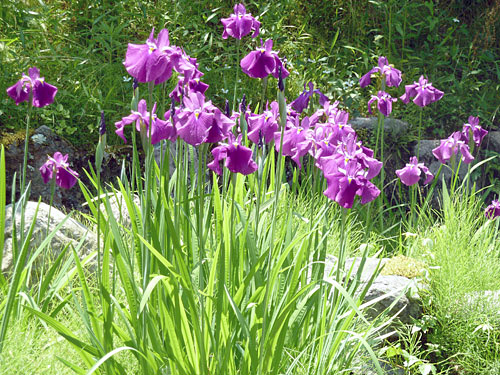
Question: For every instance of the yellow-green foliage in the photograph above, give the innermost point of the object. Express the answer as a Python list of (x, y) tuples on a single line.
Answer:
[(403, 266)]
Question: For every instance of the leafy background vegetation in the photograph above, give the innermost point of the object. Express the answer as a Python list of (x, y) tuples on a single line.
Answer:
[(80, 45)]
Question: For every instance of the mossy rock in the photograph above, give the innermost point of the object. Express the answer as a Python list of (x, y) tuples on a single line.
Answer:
[(403, 266), (16, 138)]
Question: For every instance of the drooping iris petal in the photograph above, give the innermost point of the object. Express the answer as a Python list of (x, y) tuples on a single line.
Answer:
[(493, 210), (472, 128), (410, 174), (19, 92), (258, 64), (422, 92), (238, 158), (42, 92), (65, 176), (240, 23), (262, 62)]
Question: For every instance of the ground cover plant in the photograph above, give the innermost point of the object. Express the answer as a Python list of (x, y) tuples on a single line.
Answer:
[(214, 272)]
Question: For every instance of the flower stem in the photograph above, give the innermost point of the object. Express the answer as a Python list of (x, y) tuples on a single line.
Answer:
[(26, 142), (237, 73), (277, 188), (263, 97), (25, 166), (419, 133)]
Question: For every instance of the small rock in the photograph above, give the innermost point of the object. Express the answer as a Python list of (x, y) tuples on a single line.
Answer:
[(369, 267)]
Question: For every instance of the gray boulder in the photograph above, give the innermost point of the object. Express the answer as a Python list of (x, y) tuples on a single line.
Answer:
[(71, 232)]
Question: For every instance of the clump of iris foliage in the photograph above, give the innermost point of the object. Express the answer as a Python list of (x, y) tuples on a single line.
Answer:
[(216, 274)]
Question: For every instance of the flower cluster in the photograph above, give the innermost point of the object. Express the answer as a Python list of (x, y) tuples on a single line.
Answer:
[(471, 134), (58, 165), (327, 136), (34, 86)]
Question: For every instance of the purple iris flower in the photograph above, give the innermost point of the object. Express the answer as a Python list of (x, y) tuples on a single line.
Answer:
[(384, 103), (238, 157), (262, 62), (302, 100), (325, 144), (423, 92), (43, 93), (331, 114), (410, 174), (451, 146), (221, 127), (493, 210), (391, 74), (159, 130), (348, 149), (240, 23), (58, 164), (182, 88), (152, 61), (264, 125), (297, 140), (345, 182), (473, 127), (195, 119)]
